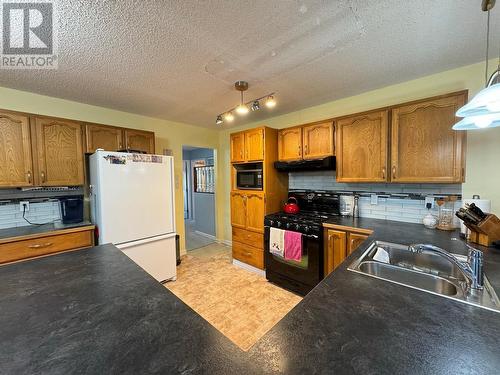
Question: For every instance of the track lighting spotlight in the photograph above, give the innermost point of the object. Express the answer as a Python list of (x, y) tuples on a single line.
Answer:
[(219, 120), (242, 109), (270, 102), (255, 105), (229, 117)]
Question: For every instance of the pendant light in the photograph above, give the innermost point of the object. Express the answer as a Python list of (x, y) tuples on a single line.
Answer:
[(483, 111)]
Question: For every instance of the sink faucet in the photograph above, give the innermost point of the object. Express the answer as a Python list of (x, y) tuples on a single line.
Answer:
[(472, 269)]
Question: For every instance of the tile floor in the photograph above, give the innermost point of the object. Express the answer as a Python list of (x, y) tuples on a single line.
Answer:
[(241, 304)]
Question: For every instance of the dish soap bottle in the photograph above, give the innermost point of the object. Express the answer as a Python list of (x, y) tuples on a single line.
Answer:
[(430, 221)]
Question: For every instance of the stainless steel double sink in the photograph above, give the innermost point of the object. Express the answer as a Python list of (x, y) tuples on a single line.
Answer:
[(428, 272)]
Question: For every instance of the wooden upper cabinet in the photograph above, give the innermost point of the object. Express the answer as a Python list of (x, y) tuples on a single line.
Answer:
[(254, 145), (140, 140), (237, 147), (290, 144), (59, 152), (106, 137), (362, 147), (255, 205), (318, 140), (238, 210), (424, 147), (16, 168)]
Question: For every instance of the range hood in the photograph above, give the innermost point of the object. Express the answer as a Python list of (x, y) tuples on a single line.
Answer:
[(325, 164)]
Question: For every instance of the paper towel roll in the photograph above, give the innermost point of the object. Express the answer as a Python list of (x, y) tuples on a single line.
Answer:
[(483, 204)]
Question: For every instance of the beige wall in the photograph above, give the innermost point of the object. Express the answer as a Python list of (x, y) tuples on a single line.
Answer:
[(483, 146), (169, 134)]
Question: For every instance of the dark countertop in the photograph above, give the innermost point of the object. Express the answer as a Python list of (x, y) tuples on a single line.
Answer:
[(30, 230), (95, 311)]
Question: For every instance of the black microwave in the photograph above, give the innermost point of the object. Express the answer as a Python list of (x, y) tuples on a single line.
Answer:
[(249, 179)]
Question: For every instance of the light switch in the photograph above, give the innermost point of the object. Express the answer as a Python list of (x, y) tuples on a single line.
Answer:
[(429, 200)]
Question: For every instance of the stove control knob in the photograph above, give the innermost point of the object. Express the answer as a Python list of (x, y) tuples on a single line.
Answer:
[(297, 227), (278, 224), (288, 225), (306, 228), (271, 223)]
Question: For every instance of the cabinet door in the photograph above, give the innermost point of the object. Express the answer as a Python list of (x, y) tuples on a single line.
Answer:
[(362, 148), (140, 140), (237, 147), (354, 240), (16, 168), (290, 144), (255, 212), (254, 145), (238, 210), (424, 146), (335, 251), (59, 149), (318, 140), (106, 137)]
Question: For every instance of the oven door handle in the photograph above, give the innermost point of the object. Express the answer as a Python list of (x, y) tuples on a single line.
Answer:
[(303, 235)]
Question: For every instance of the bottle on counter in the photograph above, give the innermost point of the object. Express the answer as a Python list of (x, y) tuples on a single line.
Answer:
[(355, 209)]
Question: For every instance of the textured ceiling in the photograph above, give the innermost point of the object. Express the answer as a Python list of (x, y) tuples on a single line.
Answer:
[(178, 60)]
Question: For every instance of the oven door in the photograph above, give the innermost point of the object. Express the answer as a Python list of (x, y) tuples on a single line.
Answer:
[(308, 271), (249, 179)]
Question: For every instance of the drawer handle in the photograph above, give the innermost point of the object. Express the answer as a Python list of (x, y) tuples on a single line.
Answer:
[(40, 246)]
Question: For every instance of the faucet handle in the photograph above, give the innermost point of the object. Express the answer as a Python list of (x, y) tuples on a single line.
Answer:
[(475, 260)]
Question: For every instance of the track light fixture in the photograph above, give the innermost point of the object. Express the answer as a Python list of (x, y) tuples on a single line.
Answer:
[(244, 107)]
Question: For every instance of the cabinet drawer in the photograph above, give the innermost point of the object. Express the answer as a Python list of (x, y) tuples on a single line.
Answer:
[(252, 238), (24, 249), (248, 254)]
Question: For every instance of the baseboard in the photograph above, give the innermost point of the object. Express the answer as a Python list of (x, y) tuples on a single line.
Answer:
[(225, 242), (248, 267), (205, 235)]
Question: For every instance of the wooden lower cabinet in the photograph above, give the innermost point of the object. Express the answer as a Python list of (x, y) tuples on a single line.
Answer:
[(354, 240), (21, 248), (255, 203), (248, 254), (252, 238), (339, 244)]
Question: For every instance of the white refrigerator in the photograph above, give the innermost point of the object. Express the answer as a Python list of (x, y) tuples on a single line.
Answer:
[(132, 205)]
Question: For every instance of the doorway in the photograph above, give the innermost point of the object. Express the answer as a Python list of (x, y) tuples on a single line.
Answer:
[(198, 184)]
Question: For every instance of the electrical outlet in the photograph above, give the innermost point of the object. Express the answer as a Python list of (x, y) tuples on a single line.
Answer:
[(22, 204), (429, 200), (374, 199)]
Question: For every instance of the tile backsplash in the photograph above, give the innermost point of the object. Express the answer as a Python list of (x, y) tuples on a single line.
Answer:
[(39, 213), (407, 210)]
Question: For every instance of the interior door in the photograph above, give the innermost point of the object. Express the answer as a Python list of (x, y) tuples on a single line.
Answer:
[(140, 140), (318, 140), (238, 210), (59, 150), (290, 144), (16, 166), (255, 212), (254, 145), (362, 148), (237, 147), (424, 146), (105, 137)]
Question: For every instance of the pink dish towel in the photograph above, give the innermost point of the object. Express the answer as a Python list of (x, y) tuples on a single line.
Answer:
[(293, 246)]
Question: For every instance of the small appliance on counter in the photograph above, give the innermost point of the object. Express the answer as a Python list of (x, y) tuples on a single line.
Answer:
[(71, 210)]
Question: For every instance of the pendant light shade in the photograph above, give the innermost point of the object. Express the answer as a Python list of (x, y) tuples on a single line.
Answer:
[(478, 122), (486, 102)]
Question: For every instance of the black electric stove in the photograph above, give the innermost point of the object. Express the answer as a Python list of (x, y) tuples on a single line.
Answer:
[(315, 208)]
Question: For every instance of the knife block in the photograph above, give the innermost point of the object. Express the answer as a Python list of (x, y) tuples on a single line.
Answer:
[(486, 232)]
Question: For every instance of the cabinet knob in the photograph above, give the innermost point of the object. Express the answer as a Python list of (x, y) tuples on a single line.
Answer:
[(42, 176), (393, 171), (40, 246), (28, 175), (383, 173)]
